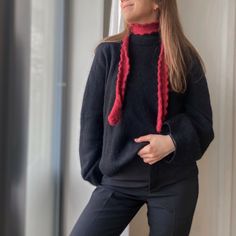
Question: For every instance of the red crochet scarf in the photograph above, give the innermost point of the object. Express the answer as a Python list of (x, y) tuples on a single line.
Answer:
[(123, 71)]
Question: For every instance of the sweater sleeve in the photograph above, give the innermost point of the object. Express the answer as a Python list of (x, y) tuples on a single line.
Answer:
[(192, 130), (91, 119)]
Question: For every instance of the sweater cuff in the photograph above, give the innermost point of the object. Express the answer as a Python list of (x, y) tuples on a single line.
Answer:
[(185, 138), (94, 175), (169, 158)]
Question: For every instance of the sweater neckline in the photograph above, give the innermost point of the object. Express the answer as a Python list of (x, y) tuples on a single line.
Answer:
[(146, 39), (145, 33)]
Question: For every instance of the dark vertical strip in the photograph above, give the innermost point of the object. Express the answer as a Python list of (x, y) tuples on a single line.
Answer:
[(65, 108), (5, 23), (16, 115), (59, 118), (107, 16)]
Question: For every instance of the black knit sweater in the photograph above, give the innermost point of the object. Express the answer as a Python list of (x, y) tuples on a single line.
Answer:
[(110, 151)]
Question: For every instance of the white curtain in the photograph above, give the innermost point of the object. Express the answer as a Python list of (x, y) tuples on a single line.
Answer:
[(116, 19)]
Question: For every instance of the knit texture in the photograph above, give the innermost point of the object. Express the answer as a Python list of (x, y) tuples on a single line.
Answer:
[(108, 152)]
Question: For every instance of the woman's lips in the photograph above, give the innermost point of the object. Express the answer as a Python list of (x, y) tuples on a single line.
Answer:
[(128, 5)]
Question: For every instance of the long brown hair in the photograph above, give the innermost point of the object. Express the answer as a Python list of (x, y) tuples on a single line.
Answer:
[(178, 49)]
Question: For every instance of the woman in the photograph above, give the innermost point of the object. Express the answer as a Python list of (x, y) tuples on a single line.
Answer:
[(146, 119)]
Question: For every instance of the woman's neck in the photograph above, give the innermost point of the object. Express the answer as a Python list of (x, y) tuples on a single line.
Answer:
[(145, 28)]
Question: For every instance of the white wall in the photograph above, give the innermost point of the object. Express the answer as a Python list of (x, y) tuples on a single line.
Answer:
[(211, 27)]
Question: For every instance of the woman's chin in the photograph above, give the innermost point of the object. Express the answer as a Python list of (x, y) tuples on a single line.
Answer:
[(130, 18)]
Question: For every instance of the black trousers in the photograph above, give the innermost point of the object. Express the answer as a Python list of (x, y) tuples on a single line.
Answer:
[(170, 210)]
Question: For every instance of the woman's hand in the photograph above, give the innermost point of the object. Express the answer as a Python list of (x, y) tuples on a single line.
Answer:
[(160, 146)]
